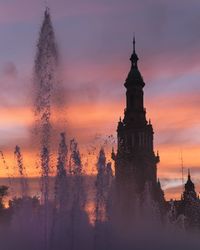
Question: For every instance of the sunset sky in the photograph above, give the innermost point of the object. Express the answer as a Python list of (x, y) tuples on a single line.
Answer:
[(95, 43)]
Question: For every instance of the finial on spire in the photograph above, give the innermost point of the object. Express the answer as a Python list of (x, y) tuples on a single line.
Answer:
[(189, 176), (134, 42), (134, 58)]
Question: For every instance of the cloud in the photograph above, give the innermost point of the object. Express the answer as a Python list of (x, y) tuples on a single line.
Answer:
[(95, 40)]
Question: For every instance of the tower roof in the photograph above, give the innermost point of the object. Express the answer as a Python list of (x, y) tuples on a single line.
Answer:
[(134, 58), (189, 186), (134, 76), (189, 194)]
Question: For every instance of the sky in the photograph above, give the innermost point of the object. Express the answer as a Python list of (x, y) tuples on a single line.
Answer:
[(95, 43)]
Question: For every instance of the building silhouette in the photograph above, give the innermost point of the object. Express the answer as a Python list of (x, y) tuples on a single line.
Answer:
[(135, 160), (188, 206)]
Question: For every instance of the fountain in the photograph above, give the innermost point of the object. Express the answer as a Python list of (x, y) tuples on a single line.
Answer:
[(61, 221)]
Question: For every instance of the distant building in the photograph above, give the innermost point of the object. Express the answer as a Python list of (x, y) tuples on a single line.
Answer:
[(189, 206)]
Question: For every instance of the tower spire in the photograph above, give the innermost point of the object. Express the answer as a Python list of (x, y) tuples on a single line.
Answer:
[(189, 176), (134, 58), (189, 191), (134, 43)]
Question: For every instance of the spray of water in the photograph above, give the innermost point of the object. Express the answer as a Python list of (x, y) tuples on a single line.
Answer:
[(61, 175), (44, 80), (78, 196), (6, 167), (102, 201), (22, 172), (62, 222), (60, 211)]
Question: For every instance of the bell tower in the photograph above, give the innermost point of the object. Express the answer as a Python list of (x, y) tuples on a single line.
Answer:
[(135, 160)]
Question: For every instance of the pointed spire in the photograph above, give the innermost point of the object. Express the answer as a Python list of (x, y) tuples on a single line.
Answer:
[(189, 184), (189, 176), (134, 76), (189, 191), (134, 43), (120, 124), (134, 58)]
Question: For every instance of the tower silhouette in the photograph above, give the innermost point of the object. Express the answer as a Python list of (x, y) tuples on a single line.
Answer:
[(189, 192), (135, 160)]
